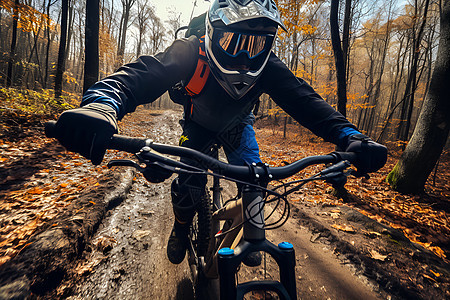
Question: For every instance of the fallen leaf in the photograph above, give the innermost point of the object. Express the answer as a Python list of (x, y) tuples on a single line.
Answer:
[(335, 215), (35, 191), (372, 234), (377, 256), (345, 227), (435, 274), (429, 277)]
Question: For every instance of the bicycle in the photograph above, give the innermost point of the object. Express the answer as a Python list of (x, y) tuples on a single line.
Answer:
[(237, 226)]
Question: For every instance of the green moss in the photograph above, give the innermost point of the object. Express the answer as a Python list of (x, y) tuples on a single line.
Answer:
[(393, 177)]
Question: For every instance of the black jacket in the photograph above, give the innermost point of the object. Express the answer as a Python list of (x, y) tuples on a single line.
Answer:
[(146, 79)]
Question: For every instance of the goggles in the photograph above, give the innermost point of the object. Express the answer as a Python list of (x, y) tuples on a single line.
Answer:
[(240, 51), (235, 43)]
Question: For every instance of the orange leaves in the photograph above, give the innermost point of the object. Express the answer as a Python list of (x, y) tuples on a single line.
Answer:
[(29, 18), (41, 197), (35, 191), (344, 227)]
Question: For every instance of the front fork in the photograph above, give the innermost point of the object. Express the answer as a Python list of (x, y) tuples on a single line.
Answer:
[(254, 239)]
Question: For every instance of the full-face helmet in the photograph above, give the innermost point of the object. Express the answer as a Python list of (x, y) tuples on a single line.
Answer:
[(239, 38)]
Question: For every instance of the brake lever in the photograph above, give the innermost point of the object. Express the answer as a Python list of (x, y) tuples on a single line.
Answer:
[(336, 168), (125, 163)]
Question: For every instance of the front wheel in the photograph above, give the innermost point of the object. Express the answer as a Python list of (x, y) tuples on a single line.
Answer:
[(200, 236)]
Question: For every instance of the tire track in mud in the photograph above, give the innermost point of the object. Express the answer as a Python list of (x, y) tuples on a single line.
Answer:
[(128, 257)]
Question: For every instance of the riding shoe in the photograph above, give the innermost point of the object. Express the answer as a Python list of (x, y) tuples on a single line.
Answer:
[(178, 242)]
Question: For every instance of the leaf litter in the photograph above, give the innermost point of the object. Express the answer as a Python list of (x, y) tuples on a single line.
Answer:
[(38, 179)]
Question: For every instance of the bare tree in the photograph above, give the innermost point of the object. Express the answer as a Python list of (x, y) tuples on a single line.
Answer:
[(174, 22), (157, 34), (144, 12), (62, 49), (12, 52), (339, 58), (91, 61), (126, 8), (411, 85)]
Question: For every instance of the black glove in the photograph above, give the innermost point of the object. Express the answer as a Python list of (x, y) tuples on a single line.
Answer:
[(371, 155), (87, 130)]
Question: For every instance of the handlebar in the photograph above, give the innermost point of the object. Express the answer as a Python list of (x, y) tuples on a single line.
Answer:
[(132, 145), (244, 173)]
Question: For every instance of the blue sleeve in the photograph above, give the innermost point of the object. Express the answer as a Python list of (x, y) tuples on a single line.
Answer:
[(345, 133)]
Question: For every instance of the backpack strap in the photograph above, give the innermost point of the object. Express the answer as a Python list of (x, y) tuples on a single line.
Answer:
[(198, 81)]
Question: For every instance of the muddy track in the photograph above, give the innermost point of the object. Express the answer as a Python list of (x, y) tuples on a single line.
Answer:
[(127, 257)]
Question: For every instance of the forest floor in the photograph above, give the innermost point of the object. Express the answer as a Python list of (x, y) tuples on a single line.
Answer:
[(405, 237)]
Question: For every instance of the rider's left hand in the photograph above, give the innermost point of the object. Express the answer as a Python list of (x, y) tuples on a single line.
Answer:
[(371, 155)]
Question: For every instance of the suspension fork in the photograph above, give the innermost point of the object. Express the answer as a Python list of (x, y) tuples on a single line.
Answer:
[(254, 239)]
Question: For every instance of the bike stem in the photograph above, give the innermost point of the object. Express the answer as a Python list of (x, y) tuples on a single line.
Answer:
[(253, 213)]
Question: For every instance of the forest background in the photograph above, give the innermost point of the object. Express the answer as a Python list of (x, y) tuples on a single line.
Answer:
[(372, 60)]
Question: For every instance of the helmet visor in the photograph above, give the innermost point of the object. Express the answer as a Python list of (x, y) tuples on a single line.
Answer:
[(241, 51)]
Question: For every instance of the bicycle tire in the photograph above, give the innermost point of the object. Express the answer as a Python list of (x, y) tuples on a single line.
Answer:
[(200, 232), (203, 222)]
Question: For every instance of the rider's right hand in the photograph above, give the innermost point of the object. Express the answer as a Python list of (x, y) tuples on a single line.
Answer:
[(87, 130)]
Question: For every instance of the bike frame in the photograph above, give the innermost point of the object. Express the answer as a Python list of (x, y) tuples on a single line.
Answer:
[(249, 237)]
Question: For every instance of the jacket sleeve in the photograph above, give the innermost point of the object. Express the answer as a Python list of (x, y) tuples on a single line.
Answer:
[(300, 101), (145, 79)]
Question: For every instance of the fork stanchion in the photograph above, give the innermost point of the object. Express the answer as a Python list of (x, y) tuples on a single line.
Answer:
[(227, 266), (287, 269)]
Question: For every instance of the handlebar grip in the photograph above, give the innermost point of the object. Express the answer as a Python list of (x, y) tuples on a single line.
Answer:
[(350, 156), (128, 144), (50, 129)]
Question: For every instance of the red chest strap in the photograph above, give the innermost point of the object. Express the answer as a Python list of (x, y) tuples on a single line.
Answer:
[(198, 80)]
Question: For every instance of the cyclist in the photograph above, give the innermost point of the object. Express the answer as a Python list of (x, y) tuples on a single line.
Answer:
[(223, 74)]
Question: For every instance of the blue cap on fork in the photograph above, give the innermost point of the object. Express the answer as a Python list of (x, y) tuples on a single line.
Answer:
[(226, 251), (285, 245)]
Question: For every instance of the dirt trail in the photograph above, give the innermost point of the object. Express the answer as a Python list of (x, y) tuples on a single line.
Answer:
[(53, 208), (127, 256)]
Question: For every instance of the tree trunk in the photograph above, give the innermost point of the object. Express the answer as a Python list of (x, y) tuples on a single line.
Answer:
[(12, 52), (70, 31), (339, 58), (346, 35), (412, 82), (47, 49), (127, 4), (431, 133), (1, 39), (91, 61), (62, 49)]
